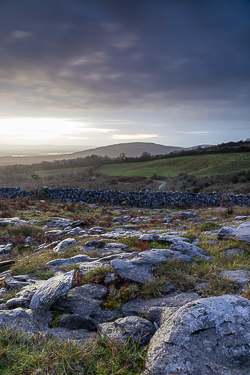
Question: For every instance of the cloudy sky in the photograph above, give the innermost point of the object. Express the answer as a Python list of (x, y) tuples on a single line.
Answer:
[(99, 72)]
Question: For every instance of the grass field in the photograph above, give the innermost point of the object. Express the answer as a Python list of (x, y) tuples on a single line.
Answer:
[(198, 165)]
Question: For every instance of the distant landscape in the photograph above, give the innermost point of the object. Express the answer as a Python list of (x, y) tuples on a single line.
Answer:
[(138, 166), (11, 154)]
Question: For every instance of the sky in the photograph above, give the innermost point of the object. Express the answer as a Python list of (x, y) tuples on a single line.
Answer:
[(100, 72)]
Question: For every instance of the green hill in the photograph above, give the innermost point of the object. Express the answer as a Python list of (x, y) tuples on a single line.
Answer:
[(198, 165)]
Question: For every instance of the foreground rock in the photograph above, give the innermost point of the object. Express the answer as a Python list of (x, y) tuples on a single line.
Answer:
[(132, 328), (242, 232), (24, 320), (208, 336), (85, 301), (51, 290), (156, 309), (23, 298), (139, 269)]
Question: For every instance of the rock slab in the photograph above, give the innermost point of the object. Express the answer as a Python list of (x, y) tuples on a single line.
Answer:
[(51, 290), (208, 336)]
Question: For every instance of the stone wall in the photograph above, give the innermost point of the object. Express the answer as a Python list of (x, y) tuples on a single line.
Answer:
[(132, 198)]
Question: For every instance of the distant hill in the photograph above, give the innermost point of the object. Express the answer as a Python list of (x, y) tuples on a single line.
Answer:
[(134, 149)]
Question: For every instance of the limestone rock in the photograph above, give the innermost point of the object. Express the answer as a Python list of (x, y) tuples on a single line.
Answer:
[(12, 221), (139, 269), (85, 301), (189, 249), (5, 249), (20, 281), (6, 263), (208, 336), (78, 335), (240, 277), (63, 245), (75, 259), (24, 320), (132, 328), (23, 298), (242, 232), (173, 303), (51, 290)]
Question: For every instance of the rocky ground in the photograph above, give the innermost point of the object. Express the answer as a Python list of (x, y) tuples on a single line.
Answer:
[(140, 291)]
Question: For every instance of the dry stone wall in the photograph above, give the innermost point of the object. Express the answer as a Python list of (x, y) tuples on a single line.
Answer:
[(131, 198)]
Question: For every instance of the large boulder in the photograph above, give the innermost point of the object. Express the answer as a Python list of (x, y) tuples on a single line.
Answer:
[(208, 336)]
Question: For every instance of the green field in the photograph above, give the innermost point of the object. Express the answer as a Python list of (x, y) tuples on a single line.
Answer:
[(198, 165)]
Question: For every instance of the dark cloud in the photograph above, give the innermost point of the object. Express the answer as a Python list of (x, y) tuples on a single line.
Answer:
[(96, 54)]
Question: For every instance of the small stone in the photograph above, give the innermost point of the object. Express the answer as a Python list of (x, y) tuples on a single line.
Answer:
[(232, 252), (132, 328)]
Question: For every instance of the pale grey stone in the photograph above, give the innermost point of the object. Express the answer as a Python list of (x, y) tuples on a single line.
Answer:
[(4, 274), (139, 269), (85, 301), (208, 336), (23, 298), (172, 237), (241, 218), (12, 221), (54, 233), (78, 335), (189, 249), (110, 277), (240, 277), (242, 232), (63, 245), (58, 222), (51, 290), (75, 259), (6, 263), (20, 281), (3, 293), (132, 328), (148, 237), (5, 249), (139, 306), (24, 320)]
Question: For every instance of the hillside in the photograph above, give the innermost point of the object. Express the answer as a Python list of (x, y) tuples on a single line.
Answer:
[(199, 165), (133, 149)]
